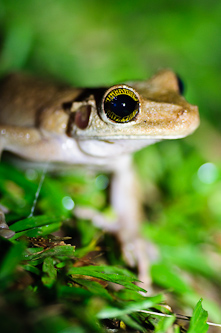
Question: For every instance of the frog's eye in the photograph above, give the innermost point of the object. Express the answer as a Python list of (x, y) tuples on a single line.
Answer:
[(120, 104)]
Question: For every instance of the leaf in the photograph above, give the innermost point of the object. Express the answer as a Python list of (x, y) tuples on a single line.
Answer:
[(11, 260), (73, 292), (50, 275), (129, 307), (36, 226), (108, 273), (32, 269), (125, 319), (95, 288), (198, 321), (176, 329), (190, 257), (165, 275), (34, 222), (164, 323), (66, 251), (39, 231)]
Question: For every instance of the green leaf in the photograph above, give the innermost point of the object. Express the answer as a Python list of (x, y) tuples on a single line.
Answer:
[(36, 226), (108, 273), (131, 322), (11, 260), (164, 323), (32, 269), (39, 231), (73, 292), (107, 270), (50, 275), (198, 321), (176, 329), (95, 288), (65, 251), (165, 274), (190, 257), (129, 307), (34, 222)]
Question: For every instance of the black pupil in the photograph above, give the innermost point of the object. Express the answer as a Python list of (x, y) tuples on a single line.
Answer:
[(123, 105)]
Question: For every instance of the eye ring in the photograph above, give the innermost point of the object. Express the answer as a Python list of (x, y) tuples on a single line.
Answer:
[(120, 104)]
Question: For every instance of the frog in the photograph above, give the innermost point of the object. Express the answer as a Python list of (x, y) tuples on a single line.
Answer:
[(47, 122)]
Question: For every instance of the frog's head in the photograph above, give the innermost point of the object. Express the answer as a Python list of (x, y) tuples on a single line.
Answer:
[(153, 109)]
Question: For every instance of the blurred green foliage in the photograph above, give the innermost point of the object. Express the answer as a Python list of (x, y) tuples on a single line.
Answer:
[(93, 43)]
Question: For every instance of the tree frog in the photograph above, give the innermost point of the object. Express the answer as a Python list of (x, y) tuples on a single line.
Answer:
[(99, 127)]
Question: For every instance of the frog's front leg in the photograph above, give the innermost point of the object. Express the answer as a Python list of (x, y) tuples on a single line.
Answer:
[(16, 139), (126, 201), (4, 229)]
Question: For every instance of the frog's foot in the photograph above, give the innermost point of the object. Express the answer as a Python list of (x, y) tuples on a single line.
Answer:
[(140, 253), (136, 251), (4, 229)]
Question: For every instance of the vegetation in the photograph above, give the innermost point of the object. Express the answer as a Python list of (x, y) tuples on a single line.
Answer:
[(78, 281)]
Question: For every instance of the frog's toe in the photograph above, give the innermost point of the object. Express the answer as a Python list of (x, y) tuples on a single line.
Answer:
[(4, 229)]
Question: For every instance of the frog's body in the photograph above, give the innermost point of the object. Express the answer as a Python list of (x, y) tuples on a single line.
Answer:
[(100, 127)]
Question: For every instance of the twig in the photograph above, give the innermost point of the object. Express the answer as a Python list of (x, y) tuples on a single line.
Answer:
[(177, 316)]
